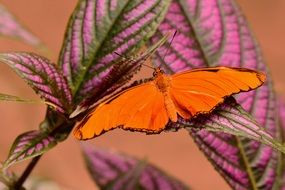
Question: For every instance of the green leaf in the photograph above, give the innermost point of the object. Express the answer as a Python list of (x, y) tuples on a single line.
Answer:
[(99, 28), (231, 118), (43, 76), (29, 145), (7, 97)]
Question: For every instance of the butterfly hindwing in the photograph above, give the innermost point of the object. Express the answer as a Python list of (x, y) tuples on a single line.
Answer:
[(200, 90), (140, 108)]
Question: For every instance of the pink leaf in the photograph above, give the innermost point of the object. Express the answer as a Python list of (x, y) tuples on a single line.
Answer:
[(42, 76), (227, 153), (28, 145), (99, 28), (281, 113), (111, 170), (10, 27)]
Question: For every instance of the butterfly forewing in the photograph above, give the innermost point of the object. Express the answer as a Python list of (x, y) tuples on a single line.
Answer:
[(200, 90), (140, 108)]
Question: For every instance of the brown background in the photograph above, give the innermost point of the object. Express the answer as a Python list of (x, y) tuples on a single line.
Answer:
[(174, 152)]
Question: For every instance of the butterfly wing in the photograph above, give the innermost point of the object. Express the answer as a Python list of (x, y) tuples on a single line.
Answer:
[(140, 108), (200, 90)]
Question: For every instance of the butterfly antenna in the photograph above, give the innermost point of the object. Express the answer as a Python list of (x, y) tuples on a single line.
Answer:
[(148, 66), (167, 50), (120, 55), (129, 58)]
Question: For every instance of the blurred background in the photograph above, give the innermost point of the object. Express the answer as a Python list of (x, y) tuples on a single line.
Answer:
[(173, 152)]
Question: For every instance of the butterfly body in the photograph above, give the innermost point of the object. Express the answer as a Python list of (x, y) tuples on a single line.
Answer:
[(163, 83), (150, 106)]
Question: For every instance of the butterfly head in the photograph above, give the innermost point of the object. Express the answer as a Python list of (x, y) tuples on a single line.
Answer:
[(157, 72)]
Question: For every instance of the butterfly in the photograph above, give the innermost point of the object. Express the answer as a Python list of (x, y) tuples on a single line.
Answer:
[(150, 106)]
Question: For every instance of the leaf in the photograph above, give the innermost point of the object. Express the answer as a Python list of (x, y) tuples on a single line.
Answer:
[(231, 118), (99, 28), (281, 114), (111, 170), (129, 180), (6, 178), (42, 76), (29, 145), (10, 27), (54, 129), (212, 33), (7, 97)]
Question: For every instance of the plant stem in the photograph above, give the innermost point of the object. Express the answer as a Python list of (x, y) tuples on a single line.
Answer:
[(18, 184)]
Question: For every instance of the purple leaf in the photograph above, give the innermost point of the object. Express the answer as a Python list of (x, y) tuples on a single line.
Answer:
[(10, 27), (211, 33), (42, 76), (231, 118), (99, 28), (117, 171), (281, 113), (29, 145), (226, 153)]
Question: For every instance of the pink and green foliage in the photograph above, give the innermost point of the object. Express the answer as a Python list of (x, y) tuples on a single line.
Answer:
[(281, 115), (96, 30), (43, 76), (229, 118), (10, 27), (211, 33), (112, 170), (28, 145), (281, 111)]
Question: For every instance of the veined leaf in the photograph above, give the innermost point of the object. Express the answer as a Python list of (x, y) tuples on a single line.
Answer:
[(42, 76), (10, 27), (28, 145), (54, 129), (7, 97), (281, 113), (212, 33), (111, 170), (99, 28), (230, 118)]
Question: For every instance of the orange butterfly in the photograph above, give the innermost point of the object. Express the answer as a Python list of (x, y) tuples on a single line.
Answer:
[(150, 106)]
